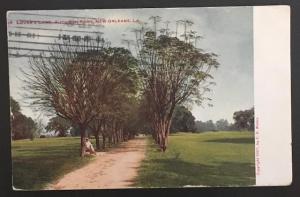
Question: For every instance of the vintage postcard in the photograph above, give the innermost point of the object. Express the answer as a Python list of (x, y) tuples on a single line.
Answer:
[(150, 97)]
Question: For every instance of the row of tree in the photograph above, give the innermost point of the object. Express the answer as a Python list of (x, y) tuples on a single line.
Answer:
[(101, 88), (106, 89), (91, 86), (184, 121), (24, 127)]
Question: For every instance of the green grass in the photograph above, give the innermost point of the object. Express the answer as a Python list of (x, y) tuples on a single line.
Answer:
[(207, 159), (212, 158), (38, 162)]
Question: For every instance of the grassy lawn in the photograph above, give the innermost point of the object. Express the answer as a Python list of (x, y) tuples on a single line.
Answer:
[(207, 159), (38, 162)]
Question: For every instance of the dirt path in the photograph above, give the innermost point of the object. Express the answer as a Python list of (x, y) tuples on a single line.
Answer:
[(114, 169)]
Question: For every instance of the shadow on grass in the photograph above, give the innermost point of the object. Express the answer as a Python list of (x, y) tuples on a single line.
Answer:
[(173, 171), (36, 164), (33, 168), (233, 140), (177, 173)]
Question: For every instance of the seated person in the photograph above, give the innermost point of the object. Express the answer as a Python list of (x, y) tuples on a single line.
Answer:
[(88, 147)]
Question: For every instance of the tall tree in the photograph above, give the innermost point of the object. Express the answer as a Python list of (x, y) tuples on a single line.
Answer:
[(173, 71), (70, 82)]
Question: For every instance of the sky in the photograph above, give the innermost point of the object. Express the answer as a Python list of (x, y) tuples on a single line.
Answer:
[(226, 31)]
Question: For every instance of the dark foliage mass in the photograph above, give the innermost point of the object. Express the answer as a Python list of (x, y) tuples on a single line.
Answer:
[(58, 125), (22, 127), (183, 120), (244, 119)]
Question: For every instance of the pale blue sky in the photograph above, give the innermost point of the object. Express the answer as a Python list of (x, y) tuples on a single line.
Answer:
[(227, 31)]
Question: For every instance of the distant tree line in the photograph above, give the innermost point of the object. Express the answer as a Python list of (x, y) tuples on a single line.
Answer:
[(243, 120), (184, 121), (24, 127), (220, 125)]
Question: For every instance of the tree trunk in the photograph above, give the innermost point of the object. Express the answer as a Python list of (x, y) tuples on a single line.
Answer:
[(114, 138), (103, 141), (125, 136), (157, 137), (82, 139), (119, 135), (162, 131), (109, 140), (97, 141)]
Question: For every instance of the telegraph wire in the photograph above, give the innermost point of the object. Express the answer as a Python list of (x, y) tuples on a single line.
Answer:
[(60, 36), (41, 50), (44, 43), (60, 30)]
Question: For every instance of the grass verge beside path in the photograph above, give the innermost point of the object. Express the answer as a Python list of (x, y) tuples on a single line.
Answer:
[(36, 163), (207, 159)]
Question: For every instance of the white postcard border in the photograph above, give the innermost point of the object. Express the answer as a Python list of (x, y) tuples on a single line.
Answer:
[(272, 101)]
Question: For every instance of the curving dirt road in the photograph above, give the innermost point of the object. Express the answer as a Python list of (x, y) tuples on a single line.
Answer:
[(114, 169)]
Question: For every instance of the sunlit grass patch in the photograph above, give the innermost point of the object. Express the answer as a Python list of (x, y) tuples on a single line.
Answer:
[(210, 159)]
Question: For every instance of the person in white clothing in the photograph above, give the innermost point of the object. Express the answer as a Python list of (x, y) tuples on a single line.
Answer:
[(89, 147)]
